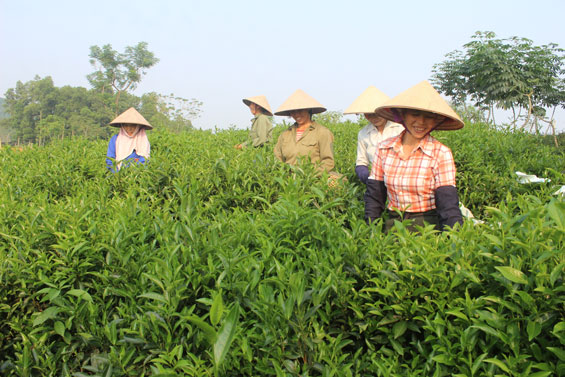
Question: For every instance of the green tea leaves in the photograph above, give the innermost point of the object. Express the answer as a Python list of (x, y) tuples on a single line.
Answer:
[(212, 262), (217, 309), (498, 363), (209, 331), (225, 336), (154, 296), (59, 328), (47, 314), (512, 274), (556, 211), (81, 294)]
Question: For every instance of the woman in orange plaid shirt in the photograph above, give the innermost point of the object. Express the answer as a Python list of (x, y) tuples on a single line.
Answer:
[(414, 171)]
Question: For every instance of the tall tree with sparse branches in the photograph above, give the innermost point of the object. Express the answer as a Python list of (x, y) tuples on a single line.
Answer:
[(119, 72)]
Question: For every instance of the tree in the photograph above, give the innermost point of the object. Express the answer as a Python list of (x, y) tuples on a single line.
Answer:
[(40, 112), (180, 111), (50, 127), (170, 111), (119, 72), (510, 74), (27, 104), (84, 123)]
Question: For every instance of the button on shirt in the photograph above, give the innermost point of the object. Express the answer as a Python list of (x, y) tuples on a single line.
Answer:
[(369, 137), (411, 183)]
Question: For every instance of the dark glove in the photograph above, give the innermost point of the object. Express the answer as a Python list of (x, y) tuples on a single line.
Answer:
[(362, 173), (447, 206), (375, 200)]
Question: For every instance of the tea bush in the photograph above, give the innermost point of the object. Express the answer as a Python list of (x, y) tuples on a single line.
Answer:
[(211, 261)]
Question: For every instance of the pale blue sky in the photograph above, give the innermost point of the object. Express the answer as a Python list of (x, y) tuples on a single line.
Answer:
[(222, 51)]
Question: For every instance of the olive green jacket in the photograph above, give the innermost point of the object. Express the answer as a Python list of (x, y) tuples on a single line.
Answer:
[(261, 131), (316, 142)]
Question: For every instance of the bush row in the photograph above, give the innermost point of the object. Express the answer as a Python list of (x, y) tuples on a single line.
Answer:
[(213, 261)]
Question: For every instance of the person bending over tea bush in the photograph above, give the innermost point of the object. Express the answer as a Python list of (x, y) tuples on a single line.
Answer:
[(131, 143), (414, 171)]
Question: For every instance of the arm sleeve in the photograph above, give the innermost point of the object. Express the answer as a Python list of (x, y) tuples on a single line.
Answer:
[(261, 130), (362, 173), (278, 148), (375, 200), (253, 137), (447, 206), (111, 154), (326, 151), (444, 174), (376, 171), (361, 151)]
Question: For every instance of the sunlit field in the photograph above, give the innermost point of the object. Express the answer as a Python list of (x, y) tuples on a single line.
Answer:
[(210, 261)]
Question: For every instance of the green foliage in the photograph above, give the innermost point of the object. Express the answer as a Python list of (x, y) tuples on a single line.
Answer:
[(328, 117), (41, 112), (487, 159), (38, 111), (210, 261), (170, 111), (3, 113), (5, 130), (119, 72), (507, 73), (470, 113)]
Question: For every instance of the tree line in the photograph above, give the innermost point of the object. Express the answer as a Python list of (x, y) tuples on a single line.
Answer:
[(38, 111), (511, 74)]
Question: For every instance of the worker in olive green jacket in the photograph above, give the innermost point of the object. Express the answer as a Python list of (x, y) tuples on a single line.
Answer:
[(261, 131), (305, 137)]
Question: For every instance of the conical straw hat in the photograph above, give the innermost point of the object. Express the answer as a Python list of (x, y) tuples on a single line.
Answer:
[(260, 101), (423, 97), (131, 116), (367, 102), (299, 100)]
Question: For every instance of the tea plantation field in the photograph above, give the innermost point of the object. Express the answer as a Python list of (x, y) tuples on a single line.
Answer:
[(211, 261)]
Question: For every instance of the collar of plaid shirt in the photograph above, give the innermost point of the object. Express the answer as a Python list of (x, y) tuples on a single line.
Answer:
[(426, 144)]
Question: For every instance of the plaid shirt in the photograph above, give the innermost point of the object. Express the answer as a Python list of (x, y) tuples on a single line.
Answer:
[(411, 183)]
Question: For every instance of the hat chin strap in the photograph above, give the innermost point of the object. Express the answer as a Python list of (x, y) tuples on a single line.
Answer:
[(440, 123), (397, 117)]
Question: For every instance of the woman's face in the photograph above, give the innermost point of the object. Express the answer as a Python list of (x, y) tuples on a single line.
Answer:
[(420, 123), (376, 120), (253, 108), (130, 129), (300, 116)]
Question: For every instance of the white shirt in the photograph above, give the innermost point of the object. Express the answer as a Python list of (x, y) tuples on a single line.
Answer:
[(368, 139)]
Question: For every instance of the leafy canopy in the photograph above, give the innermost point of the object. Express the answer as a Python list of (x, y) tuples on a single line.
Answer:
[(510, 73), (119, 72)]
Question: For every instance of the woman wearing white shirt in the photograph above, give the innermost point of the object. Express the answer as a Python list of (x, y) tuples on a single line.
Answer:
[(371, 135)]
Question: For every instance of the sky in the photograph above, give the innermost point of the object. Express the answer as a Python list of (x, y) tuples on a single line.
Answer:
[(220, 52)]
